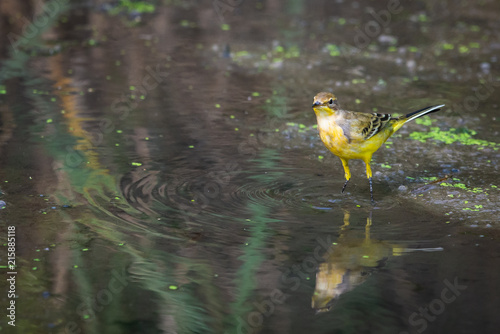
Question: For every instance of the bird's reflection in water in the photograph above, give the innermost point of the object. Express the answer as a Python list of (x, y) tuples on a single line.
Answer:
[(348, 263)]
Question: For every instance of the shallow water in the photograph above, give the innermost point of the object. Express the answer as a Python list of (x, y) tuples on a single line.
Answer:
[(164, 173)]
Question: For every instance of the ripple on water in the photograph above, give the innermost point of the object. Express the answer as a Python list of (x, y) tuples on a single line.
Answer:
[(155, 193), (196, 192)]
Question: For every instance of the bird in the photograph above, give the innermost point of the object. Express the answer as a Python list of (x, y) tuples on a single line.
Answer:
[(357, 135)]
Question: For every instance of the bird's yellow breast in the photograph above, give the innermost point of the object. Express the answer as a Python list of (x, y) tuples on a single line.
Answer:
[(334, 139), (341, 145)]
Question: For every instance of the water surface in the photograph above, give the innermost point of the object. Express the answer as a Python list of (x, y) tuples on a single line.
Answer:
[(164, 174)]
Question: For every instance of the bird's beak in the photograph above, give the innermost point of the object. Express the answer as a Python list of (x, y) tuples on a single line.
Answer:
[(316, 103)]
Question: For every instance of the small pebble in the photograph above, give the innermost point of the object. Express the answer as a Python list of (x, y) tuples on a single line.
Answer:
[(485, 67), (387, 39)]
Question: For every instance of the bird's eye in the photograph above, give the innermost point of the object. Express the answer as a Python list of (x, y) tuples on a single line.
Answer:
[(330, 101)]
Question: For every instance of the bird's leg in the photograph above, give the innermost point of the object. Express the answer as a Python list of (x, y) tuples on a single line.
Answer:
[(371, 190), (345, 164), (345, 185), (369, 176)]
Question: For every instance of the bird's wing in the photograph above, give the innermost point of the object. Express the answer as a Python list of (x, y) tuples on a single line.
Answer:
[(375, 124)]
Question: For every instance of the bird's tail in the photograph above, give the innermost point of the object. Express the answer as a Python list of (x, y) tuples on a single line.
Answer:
[(419, 113), (416, 114)]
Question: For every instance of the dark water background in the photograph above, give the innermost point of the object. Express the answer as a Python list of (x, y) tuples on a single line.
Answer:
[(161, 166)]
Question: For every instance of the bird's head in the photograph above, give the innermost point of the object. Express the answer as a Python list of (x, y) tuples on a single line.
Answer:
[(325, 104)]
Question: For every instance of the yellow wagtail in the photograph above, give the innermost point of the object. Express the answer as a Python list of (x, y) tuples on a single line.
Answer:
[(355, 135)]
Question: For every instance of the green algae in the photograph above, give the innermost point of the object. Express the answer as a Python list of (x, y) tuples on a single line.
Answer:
[(240, 54), (476, 208), (429, 179), (463, 136), (291, 52), (302, 127), (475, 190), (358, 81), (448, 46), (135, 6), (456, 185), (333, 49), (426, 120), (463, 49)]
